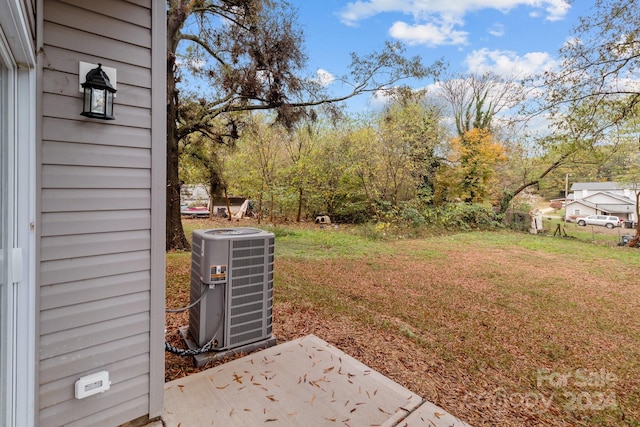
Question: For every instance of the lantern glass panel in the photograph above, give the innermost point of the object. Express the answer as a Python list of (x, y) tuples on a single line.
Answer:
[(98, 99), (109, 104), (87, 100)]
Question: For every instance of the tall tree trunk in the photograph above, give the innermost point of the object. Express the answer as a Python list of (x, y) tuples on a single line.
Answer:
[(272, 204), (636, 239), (260, 208), (226, 198), (175, 233), (216, 188), (299, 205), (175, 238)]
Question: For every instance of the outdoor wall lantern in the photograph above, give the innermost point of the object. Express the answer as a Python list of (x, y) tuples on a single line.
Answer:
[(98, 95)]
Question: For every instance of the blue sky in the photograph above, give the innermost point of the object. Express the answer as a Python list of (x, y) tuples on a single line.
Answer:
[(506, 37)]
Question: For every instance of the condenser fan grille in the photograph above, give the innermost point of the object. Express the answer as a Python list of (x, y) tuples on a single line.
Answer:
[(251, 300)]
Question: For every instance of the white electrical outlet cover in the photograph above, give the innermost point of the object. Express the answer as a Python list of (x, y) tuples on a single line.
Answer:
[(92, 384)]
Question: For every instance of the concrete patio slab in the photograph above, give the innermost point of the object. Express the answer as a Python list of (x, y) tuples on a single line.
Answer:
[(431, 415), (301, 382)]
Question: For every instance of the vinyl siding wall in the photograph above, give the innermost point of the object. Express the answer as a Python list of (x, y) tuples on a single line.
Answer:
[(101, 265)]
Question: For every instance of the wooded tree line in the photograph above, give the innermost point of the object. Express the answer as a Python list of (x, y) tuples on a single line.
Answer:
[(406, 155), (257, 129)]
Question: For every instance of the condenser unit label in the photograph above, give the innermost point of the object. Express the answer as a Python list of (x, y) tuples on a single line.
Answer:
[(218, 273)]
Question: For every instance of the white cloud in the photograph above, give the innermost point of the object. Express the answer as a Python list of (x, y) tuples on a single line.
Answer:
[(557, 9), (437, 32), (509, 64), (627, 84), (497, 30), (380, 98), (193, 64), (324, 78), (437, 22), (363, 9), (197, 64)]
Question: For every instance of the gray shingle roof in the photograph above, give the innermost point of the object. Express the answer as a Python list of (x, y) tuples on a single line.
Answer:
[(597, 186)]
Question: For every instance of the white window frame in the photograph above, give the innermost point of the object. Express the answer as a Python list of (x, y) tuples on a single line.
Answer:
[(17, 50)]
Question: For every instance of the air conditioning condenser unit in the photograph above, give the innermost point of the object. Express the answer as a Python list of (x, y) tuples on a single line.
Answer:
[(234, 268)]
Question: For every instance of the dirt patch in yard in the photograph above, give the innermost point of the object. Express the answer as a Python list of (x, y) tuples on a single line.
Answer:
[(495, 336)]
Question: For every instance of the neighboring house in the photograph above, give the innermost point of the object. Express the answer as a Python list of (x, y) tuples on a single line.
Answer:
[(606, 198), (582, 190), (82, 214)]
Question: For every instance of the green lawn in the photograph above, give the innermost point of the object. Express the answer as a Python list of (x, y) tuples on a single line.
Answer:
[(498, 328)]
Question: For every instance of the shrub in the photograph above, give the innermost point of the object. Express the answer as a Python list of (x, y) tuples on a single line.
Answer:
[(556, 204), (410, 221), (463, 216)]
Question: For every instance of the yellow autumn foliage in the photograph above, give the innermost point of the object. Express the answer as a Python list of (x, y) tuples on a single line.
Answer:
[(473, 160)]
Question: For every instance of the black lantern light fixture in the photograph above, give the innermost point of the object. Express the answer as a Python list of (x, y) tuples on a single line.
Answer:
[(98, 95)]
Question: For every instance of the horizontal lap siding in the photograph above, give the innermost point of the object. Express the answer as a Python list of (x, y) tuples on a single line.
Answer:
[(65, 176), (112, 406), (86, 245), (101, 288), (61, 223), (68, 270), (95, 203), (74, 200), (57, 392)]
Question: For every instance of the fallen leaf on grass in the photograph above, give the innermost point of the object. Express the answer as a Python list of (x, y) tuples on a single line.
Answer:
[(427, 373)]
